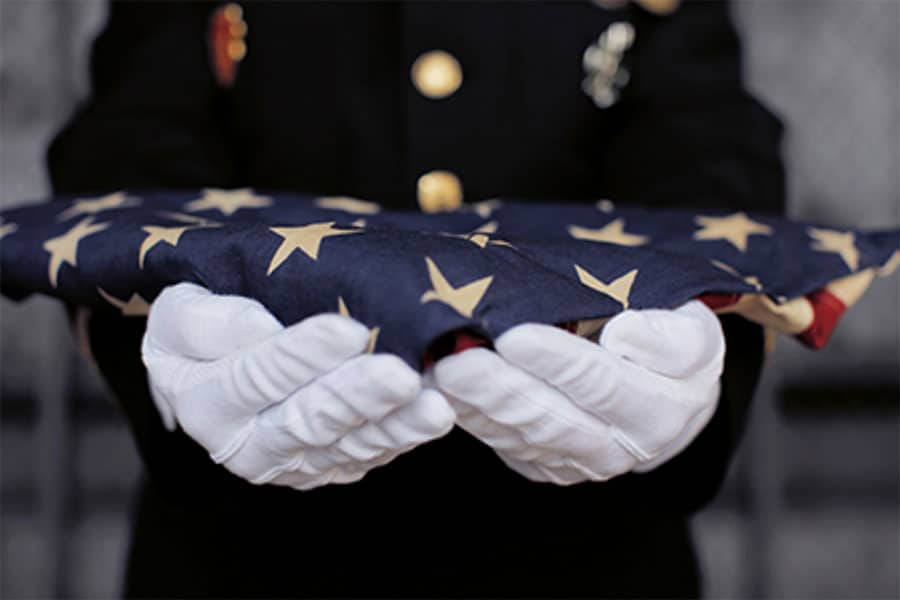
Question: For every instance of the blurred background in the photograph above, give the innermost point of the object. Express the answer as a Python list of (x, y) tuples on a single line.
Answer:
[(810, 509)]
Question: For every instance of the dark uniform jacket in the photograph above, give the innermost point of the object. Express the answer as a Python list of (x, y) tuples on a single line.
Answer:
[(323, 103)]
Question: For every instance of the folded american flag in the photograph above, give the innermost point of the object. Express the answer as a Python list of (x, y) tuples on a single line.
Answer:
[(413, 278)]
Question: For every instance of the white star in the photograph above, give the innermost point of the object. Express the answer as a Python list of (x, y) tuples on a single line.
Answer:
[(842, 243), (157, 235), (306, 238), (228, 202), (750, 279), (7, 228), (373, 332), (92, 206), (611, 233), (463, 299), (618, 289), (135, 307), (734, 229), (64, 249), (347, 204), (481, 237)]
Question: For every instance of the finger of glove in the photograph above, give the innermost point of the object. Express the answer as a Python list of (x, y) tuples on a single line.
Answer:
[(307, 478), (343, 476), (158, 366), (646, 410), (426, 418), (374, 384), (497, 436), (565, 475), (166, 414), (319, 460), (355, 471), (214, 402), (677, 343), (597, 458), (303, 482), (690, 432), (570, 470), (537, 471), (524, 468), (332, 421), (483, 381), (190, 321), (543, 416), (295, 358), (536, 464), (311, 467), (181, 394), (505, 440), (362, 390)]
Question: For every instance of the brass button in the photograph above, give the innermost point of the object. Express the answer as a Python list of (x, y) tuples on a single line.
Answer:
[(233, 12), (436, 74), (439, 191), (228, 47), (660, 7)]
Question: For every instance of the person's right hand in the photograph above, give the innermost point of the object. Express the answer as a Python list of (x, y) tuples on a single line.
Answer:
[(301, 406)]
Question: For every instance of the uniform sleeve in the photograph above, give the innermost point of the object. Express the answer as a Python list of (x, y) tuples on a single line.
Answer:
[(155, 115), (687, 133), (155, 119)]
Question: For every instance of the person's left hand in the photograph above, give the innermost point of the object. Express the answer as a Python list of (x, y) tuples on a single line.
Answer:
[(557, 407)]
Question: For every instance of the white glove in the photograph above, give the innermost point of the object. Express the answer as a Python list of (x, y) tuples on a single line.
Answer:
[(300, 406), (557, 407)]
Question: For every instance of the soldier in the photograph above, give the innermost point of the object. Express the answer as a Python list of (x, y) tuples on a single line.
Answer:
[(422, 105)]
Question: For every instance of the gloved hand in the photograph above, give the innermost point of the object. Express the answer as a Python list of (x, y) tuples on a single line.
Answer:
[(557, 407), (300, 406)]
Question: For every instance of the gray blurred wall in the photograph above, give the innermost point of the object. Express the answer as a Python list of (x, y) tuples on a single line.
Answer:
[(811, 507)]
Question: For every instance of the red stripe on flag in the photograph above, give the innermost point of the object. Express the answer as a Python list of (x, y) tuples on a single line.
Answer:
[(719, 301), (827, 311)]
